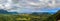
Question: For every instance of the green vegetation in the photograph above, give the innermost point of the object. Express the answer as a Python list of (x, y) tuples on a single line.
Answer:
[(22, 17), (30, 17)]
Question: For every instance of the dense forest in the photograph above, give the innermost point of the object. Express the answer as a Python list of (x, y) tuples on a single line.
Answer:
[(30, 17)]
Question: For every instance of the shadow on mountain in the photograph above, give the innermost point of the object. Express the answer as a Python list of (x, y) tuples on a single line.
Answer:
[(6, 12)]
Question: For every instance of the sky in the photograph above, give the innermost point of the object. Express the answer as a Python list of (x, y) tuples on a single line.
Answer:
[(22, 6)]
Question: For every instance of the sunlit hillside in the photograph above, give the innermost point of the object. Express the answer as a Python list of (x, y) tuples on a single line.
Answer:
[(22, 17)]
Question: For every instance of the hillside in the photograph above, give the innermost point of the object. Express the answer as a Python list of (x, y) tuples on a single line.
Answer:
[(35, 16), (6, 12)]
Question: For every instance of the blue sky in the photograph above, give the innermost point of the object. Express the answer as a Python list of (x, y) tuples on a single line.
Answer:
[(22, 6)]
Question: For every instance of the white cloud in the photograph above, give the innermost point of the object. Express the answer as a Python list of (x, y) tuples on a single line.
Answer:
[(27, 5), (41, 0), (32, 3), (1, 6)]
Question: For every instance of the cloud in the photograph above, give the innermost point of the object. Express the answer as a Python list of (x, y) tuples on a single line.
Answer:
[(32, 3), (28, 5)]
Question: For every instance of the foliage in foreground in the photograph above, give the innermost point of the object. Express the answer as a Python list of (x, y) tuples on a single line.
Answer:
[(23, 17)]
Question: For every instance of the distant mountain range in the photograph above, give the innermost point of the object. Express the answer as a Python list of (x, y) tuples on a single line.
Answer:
[(6, 12), (44, 12)]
